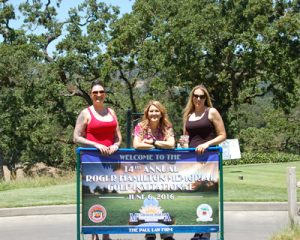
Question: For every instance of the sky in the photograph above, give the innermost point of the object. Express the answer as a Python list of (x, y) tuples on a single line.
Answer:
[(124, 5)]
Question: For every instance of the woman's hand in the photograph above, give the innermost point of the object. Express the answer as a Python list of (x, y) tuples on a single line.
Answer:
[(103, 149), (201, 148), (148, 141), (142, 144), (113, 148)]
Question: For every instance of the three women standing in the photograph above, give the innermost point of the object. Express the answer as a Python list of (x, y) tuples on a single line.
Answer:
[(97, 126)]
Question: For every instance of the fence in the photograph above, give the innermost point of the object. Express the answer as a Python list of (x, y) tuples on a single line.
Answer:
[(132, 119)]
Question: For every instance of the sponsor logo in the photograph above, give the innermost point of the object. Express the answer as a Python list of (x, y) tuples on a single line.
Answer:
[(204, 213), (150, 212), (97, 213)]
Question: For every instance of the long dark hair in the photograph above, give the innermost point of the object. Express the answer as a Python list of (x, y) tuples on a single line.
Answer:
[(95, 83)]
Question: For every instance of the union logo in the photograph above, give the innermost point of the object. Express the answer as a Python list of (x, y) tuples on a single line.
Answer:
[(204, 213), (97, 213)]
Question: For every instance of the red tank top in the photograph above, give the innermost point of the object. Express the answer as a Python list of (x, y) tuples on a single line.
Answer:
[(101, 132)]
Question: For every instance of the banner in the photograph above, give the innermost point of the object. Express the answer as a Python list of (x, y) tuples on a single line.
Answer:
[(157, 191)]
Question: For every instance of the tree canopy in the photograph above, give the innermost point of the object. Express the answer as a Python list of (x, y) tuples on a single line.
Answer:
[(243, 51)]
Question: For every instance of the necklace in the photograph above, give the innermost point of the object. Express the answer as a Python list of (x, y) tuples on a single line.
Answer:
[(101, 112), (154, 133), (199, 113)]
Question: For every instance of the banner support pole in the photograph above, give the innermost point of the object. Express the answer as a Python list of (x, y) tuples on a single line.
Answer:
[(78, 194), (221, 194)]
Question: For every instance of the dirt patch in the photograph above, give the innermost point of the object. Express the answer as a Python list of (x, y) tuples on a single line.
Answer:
[(41, 169), (37, 170)]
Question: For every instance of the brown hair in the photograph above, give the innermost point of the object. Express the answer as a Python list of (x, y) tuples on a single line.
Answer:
[(95, 83)]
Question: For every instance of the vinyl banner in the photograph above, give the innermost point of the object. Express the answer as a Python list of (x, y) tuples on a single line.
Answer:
[(157, 191)]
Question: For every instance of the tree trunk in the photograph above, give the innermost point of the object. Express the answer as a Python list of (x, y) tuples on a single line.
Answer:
[(1, 169)]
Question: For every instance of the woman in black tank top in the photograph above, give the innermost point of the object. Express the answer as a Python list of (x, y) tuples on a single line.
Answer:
[(201, 121), (204, 125), (200, 130)]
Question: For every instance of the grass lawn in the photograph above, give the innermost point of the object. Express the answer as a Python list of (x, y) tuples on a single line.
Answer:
[(38, 191), (49, 195), (261, 182)]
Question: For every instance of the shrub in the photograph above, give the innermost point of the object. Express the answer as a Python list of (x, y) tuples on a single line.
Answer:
[(259, 157)]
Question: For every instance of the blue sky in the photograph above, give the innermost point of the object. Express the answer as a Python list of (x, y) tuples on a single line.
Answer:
[(124, 5)]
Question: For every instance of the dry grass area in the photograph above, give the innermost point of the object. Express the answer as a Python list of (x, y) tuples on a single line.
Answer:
[(289, 234), (37, 170)]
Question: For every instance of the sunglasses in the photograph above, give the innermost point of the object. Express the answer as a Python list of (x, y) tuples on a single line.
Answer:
[(97, 92), (199, 96)]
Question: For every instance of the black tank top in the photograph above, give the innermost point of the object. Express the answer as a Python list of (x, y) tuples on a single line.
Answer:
[(200, 131)]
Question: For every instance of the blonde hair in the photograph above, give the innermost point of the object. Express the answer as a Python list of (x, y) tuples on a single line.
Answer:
[(164, 122), (190, 107)]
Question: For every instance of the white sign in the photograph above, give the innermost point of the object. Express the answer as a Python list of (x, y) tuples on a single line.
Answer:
[(231, 149)]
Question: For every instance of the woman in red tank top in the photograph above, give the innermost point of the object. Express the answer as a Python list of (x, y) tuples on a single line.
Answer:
[(97, 126)]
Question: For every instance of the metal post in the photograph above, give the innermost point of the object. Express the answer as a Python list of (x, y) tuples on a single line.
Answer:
[(128, 128), (78, 194), (292, 194), (221, 194)]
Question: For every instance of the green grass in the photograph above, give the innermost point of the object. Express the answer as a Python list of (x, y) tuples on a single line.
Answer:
[(67, 177), (261, 182), (38, 191), (49, 195)]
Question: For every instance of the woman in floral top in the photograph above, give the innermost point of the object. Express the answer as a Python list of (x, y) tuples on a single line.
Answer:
[(154, 131)]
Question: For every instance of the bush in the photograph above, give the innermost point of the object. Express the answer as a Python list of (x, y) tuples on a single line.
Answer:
[(259, 157)]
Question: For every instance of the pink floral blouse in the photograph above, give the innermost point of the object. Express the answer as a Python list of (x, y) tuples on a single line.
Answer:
[(147, 134)]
